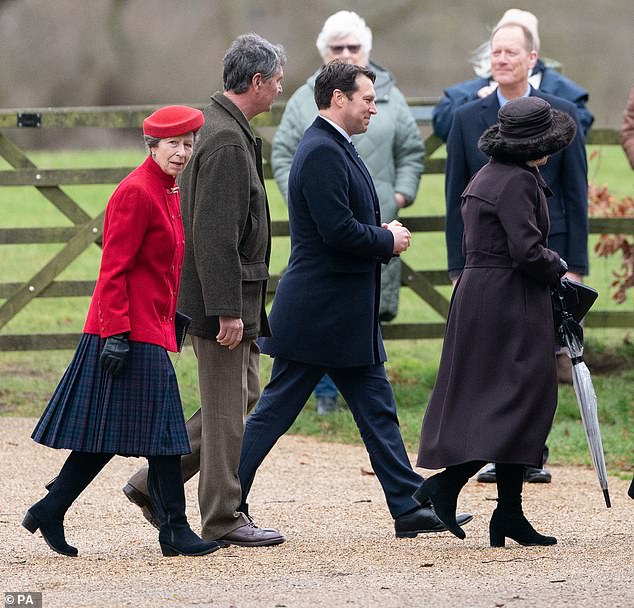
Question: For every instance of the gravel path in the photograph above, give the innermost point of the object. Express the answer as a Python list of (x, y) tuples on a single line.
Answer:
[(341, 549)]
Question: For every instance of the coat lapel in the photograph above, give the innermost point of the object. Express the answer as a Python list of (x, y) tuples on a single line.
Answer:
[(352, 153), (489, 114)]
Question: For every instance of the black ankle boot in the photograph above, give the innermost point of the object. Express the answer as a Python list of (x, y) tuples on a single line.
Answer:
[(443, 490), (444, 499), (51, 528), (165, 484), (516, 527)]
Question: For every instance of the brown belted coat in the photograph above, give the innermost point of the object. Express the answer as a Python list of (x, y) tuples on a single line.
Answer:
[(496, 391)]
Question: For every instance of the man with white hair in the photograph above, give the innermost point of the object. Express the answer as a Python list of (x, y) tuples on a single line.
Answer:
[(392, 148), (546, 79)]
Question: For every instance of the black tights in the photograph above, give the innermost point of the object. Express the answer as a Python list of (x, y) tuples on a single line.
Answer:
[(510, 478)]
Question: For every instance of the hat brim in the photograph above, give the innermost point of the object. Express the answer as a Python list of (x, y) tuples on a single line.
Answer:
[(561, 133), (172, 121)]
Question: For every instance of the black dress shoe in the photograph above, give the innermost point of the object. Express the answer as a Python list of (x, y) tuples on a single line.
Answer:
[(487, 474), (144, 502), (443, 493), (422, 521), (537, 475)]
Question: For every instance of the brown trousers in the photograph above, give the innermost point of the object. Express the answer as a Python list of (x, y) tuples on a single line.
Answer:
[(229, 383)]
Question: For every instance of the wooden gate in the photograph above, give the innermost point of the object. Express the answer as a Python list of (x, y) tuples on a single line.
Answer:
[(86, 230)]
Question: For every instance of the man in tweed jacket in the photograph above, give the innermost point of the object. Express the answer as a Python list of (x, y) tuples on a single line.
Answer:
[(223, 287)]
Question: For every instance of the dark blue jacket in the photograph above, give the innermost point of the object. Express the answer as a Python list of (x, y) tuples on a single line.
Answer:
[(325, 310), (552, 83), (565, 173)]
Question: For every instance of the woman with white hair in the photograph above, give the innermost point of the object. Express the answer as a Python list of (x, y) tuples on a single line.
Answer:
[(392, 148), (546, 79)]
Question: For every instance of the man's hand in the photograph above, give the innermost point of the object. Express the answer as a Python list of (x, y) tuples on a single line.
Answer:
[(230, 334), (487, 90), (402, 236)]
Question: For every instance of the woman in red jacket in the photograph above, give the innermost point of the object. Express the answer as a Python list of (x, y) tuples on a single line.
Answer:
[(119, 394)]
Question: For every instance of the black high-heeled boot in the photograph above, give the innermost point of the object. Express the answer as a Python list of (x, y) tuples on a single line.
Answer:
[(165, 484), (508, 519), (47, 515), (516, 527), (443, 490)]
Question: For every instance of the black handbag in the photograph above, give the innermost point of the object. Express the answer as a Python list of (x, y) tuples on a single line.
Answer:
[(573, 298), (181, 324)]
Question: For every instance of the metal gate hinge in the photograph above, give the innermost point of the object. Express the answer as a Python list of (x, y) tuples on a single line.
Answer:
[(29, 119)]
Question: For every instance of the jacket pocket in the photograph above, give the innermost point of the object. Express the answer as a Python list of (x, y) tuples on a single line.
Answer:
[(254, 271), (251, 244)]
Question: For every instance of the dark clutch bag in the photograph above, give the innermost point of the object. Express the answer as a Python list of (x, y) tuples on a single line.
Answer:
[(577, 300), (181, 324)]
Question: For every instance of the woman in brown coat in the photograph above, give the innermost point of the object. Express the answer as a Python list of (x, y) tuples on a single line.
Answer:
[(496, 391)]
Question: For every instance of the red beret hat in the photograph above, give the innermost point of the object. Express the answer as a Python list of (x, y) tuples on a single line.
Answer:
[(173, 120)]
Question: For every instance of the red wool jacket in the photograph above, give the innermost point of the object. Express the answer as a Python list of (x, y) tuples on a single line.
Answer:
[(143, 244)]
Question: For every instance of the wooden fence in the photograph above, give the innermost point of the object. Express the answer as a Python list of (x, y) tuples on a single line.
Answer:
[(86, 230)]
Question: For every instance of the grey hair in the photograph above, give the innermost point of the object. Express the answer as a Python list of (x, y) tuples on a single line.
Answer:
[(480, 59), (340, 25), (152, 142), (247, 56)]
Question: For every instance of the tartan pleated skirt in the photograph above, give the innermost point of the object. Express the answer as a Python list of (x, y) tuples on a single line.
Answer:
[(136, 413)]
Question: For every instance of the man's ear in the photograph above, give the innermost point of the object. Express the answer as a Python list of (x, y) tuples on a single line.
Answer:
[(532, 59), (337, 97), (256, 81)]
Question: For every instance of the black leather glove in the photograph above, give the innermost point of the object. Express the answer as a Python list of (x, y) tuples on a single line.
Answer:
[(563, 267), (115, 353)]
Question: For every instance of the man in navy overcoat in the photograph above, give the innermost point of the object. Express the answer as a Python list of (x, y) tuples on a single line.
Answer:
[(325, 315)]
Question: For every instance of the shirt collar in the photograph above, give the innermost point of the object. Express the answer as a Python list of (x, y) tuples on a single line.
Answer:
[(336, 126), (503, 100)]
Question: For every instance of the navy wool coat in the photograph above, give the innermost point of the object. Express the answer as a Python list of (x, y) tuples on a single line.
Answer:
[(496, 391), (565, 173), (326, 306)]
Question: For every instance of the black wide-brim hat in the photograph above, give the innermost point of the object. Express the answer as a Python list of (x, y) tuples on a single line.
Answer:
[(529, 129)]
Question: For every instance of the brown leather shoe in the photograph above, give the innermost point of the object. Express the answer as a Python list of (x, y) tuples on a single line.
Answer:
[(251, 535), (144, 502)]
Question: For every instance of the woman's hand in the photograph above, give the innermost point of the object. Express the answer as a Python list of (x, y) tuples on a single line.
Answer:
[(115, 352)]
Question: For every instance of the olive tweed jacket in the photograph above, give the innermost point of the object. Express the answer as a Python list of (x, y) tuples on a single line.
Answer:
[(227, 225)]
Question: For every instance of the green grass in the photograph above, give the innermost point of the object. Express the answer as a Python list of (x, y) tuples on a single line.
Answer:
[(27, 379)]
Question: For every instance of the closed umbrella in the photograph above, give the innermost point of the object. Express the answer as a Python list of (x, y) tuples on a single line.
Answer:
[(571, 302)]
